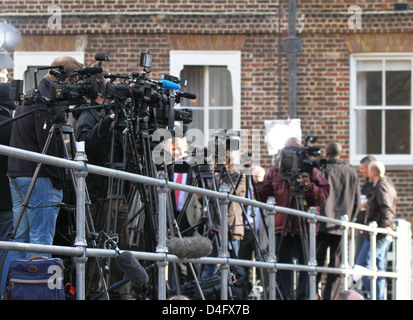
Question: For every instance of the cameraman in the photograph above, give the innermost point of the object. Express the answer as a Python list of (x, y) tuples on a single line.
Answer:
[(30, 133), (94, 127), (315, 189), (6, 213)]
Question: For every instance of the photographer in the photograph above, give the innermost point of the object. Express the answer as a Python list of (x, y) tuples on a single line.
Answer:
[(101, 131), (6, 213), (30, 133), (314, 189), (94, 127)]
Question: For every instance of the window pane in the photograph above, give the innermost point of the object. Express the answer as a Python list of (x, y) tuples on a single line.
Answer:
[(369, 130), (369, 88), (398, 132), (398, 84), (220, 87), (29, 77), (220, 119), (197, 119), (195, 77)]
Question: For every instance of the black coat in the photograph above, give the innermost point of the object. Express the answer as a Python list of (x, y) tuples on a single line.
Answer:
[(382, 204), (5, 132), (31, 133), (94, 128), (344, 197)]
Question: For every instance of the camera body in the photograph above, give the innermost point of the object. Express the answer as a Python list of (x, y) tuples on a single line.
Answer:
[(74, 93), (151, 102), (294, 161)]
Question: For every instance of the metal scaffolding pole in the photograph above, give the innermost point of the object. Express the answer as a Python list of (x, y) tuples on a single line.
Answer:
[(81, 252), (80, 240)]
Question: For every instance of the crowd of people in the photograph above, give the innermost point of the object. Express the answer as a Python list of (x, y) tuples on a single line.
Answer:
[(333, 189)]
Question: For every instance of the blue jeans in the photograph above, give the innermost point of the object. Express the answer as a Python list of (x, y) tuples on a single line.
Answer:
[(363, 259), (38, 221), (6, 225)]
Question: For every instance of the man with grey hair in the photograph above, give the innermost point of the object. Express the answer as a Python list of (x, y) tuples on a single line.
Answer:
[(381, 208)]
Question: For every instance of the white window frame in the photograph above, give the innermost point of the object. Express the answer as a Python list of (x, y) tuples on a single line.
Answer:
[(229, 59), (25, 59), (388, 160)]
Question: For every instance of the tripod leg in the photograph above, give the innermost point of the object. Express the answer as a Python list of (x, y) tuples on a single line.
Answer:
[(61, 130)]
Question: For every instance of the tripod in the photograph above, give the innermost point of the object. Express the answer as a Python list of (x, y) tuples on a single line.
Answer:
[(211, 214), (142, 199), (298, 201), (251, 226)]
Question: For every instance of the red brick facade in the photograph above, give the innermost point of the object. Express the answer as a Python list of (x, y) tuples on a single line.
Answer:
[(127, 28)]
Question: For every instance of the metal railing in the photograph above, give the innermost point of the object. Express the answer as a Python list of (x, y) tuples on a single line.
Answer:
[(402, 235)]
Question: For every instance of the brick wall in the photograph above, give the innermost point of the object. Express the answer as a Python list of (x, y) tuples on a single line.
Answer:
[(126, 28)]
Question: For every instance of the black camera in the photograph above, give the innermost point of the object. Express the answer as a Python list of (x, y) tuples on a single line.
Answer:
[(150, 101), (294, 161), (75, 92)]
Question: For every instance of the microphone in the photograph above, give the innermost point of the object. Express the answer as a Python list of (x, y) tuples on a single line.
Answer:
[(170, 85), (132, 269), (189, 247), (188, 95), (115, 75), (60, 67)]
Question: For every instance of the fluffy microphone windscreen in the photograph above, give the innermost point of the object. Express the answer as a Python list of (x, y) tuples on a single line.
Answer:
[(132, 269), (189, 247)]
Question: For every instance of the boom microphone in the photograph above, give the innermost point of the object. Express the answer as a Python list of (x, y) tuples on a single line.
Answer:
[(115, 75), (189, 247), (188, 95), (132, 269)]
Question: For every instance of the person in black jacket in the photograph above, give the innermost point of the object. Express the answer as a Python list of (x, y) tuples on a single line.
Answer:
[(6, 213), (30, 132), (100, 129), (94, 128), (343, 200)]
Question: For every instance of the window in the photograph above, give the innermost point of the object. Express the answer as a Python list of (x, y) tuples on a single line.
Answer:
[(26, 62), (215, 78), (381, 108)]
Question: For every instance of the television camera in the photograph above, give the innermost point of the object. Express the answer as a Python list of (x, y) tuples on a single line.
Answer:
[(294, 161)]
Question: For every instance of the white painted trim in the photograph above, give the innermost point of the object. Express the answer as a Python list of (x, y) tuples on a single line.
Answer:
[(388, 160), (25, 59), (230, 59)]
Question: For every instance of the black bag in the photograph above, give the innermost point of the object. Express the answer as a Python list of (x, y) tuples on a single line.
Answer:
[(211, 287), (38, 278)]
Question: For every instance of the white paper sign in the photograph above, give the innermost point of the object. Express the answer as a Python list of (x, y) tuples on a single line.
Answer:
[(279, 131)]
